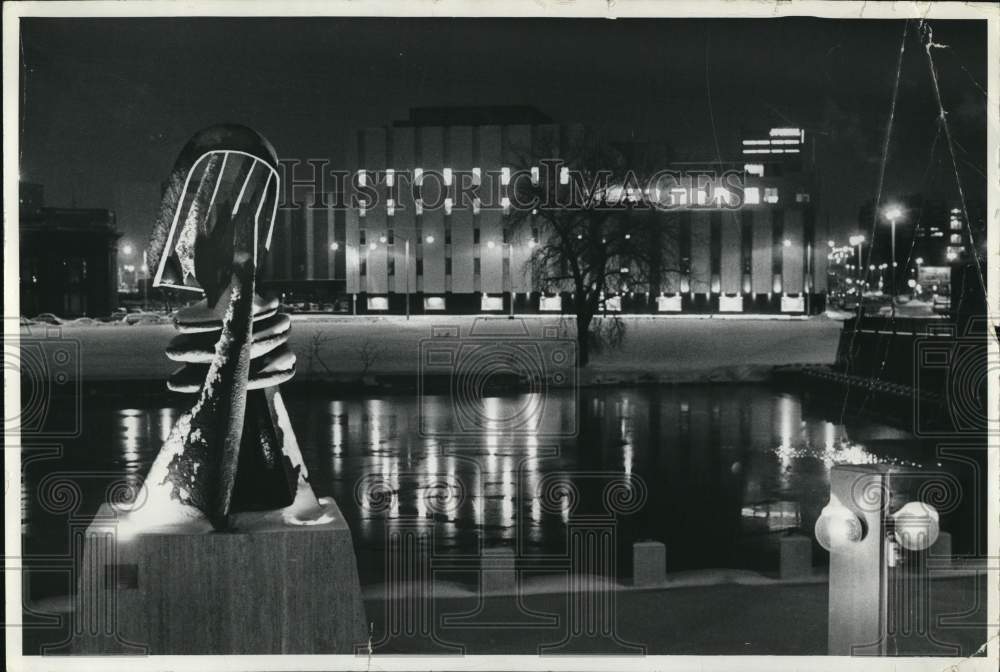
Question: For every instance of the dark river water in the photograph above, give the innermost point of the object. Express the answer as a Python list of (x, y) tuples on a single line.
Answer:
[(716, 472)]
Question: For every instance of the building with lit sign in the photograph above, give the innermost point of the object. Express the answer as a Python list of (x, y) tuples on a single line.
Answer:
[(378, 253)]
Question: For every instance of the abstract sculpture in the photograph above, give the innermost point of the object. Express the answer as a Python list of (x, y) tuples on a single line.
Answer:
[(225, 549), (235, 450)]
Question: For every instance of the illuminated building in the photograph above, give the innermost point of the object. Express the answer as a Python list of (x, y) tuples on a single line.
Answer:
[(452, 254)]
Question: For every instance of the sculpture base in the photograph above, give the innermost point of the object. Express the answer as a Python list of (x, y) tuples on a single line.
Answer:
[(266, 587)]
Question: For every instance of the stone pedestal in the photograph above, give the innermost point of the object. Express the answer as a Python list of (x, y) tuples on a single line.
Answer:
[(271, 585), (649, 563), (796, 557)]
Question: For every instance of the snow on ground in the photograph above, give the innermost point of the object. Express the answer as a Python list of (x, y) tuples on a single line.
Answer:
[(656, 348)]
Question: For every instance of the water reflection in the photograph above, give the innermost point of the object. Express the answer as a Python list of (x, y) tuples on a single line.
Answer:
[(723, 467)]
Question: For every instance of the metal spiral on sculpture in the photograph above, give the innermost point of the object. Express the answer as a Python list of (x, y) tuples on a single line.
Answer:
[(271, 361)]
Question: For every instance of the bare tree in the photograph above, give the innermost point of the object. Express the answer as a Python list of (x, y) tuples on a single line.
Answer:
[(594, 223)]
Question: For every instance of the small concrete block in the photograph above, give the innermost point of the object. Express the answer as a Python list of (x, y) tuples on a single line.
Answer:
[(940, 552), (796, 557), (499, 573), (649, 563)]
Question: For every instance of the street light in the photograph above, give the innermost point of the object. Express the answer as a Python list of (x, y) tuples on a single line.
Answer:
[(857, 241), (892, 213), (127, 249)]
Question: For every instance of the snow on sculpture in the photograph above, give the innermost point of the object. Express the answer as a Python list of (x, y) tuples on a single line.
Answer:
[(234, 451)]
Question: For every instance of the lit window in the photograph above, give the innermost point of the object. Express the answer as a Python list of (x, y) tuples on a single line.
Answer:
[(476, 266), (362, 178), (361, 237), (564, 175), (720, 195), (678, 196), (362, 207), (447, 177), (390, 207), (802, 198), (391, 266), (476, 204), (751, 195), (770, 194), (956, 239), (448, 205), (418, 176), (505, 176), (701, 197), (505, 204), (956, 225), (390, 177), (477, 176), (785, 132), (754, 169), (418, 206), (534, 174)]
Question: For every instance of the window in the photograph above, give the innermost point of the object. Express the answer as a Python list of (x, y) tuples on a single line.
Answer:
[(505, 176), (418, 176), (362, 178), (364, 267), (391, 238), (476, 204), (391, 265), (534, 175), (362, 207), (390, 177), (701, 197), (447, 235), (418, 207), (361, 237), (956, 224), (505, 204), (564, 175), (751, 195), (448, 205), (476, 266), (477, 177), (475, 236), (770, 194), (754, 169), (447, 177), (956, 239), (447, 265), (802, 198), (390, 207), (506, 235), (678, 196), (420, 266), (720, 195)]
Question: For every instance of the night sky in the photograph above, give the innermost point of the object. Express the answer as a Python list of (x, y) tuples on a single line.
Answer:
[(108, 103)]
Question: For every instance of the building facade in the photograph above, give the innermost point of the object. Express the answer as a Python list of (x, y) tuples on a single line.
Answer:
[(68, 258), (752, 248)]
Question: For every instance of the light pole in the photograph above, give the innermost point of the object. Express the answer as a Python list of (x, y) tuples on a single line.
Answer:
[(893, 213), (857, 241), (406, 264)]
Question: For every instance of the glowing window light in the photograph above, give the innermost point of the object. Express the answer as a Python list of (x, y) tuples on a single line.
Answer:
[(701, 197), (534, 175), (786, 132), (785, 142), (476, 204), (477, 176), (418, 176), (390, 207), (362, 178), (770, 194), (756, 151), (564, 175), (721, 195), (751, 195), (754, 169), (447, 177), (505, 176), (756, 142), (418, 206), (448, 204), (505, 204), (390, 177), (362, 208), (678, 196)]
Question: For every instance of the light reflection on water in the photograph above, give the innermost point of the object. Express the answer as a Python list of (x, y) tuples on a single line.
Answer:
[(722, 466)]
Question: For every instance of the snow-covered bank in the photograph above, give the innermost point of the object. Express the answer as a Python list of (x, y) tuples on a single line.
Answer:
[(656, 349)]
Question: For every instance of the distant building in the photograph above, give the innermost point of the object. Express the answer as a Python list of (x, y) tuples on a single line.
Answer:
[(760, 257), (68, 259)]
